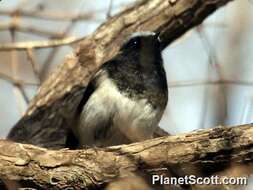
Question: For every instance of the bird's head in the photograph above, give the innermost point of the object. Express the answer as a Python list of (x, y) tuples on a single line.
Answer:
[(142, 43)]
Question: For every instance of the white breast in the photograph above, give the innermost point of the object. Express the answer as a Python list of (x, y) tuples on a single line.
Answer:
[(134, 118)]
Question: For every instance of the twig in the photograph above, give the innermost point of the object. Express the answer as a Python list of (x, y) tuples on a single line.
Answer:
[(209, 82), (51, 15), (14, 68), (109, 11), (39, 44), (23, 93), (35, 67), (16, 82), (14, 61), (28, 29)]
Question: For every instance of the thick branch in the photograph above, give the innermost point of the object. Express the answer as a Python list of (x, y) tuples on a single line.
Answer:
[(206, 149)]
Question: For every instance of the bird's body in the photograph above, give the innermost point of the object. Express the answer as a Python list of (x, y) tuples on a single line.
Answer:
[(123, 103), (126, 98)]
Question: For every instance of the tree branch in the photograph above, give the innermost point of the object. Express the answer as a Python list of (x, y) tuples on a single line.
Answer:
[(39, 44), (210, 149), (49, 15)]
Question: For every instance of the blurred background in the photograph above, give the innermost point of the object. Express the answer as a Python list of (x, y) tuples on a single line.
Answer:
[(209, 69)]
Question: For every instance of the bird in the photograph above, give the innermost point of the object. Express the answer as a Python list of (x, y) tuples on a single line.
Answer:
[(126, 98)]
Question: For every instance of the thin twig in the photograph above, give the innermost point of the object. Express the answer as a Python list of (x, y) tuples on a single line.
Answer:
[(16, 82), (23, 93), (14, 66), (35, 67), (39, 44), (14, 60), (209, 82), (109, 11), (50, 15), (21, 27)]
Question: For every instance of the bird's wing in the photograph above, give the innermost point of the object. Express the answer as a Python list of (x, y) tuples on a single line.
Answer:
[(86, 95), (92, 84), (71, 140), (91, 87)]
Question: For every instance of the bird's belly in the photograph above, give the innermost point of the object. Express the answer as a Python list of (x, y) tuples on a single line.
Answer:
[(111, 118), (136, 119)]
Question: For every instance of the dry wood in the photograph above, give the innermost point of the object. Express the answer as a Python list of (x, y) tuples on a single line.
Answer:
[(187, 154)]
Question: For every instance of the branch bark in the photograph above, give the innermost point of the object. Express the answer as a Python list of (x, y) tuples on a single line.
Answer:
[(210, 149)]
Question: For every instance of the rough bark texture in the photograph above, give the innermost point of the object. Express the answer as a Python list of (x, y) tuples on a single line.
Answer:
[(50, 113), (186, 154)]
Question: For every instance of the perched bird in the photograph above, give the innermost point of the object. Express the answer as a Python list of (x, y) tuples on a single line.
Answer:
[(126, 98)]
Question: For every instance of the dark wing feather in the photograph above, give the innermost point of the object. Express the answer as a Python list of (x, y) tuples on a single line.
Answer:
[(92, 85), (71, 141), (87, 93)]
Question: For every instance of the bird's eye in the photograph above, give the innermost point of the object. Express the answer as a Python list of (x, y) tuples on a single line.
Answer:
[(133, 43)]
